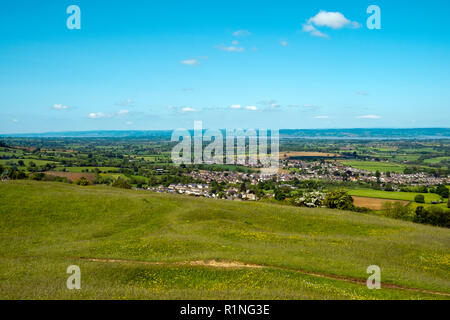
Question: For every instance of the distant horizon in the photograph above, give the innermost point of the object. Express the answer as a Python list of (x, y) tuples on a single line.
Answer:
[(116, 133)]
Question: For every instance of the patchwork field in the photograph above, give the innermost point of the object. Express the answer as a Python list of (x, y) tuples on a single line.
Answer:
[(374, 166), (373, 203), (293, 154), (406, 196), (141, 245), (72, 176)]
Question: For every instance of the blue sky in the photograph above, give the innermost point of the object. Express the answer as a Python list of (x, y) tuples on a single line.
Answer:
[(232, 64)]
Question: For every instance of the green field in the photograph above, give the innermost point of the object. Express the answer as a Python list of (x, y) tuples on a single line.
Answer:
[(436, 160), (26, 161), (91, 169), (45, 227), (407, 196), (374, 166)]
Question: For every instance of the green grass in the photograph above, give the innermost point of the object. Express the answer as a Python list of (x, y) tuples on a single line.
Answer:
[(407, 196), (45, 227), (91, 169), (374, 166), (436, 160), (26, 161)]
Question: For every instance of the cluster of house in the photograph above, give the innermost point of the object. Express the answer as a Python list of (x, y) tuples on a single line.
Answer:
[(203, 190), (333, 171)]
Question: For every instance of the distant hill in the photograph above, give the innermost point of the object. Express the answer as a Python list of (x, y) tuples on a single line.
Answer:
[(357, 133)]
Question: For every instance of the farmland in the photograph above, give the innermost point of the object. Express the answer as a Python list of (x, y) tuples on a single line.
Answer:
[(376, 166), (159, 246), (405, 196), (374, 203)]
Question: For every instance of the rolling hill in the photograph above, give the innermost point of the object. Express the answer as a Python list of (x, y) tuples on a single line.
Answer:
[(141, 245)]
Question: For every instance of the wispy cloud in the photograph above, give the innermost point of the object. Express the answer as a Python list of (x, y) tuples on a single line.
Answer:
[(125, 103), (321, 117), (60, 107), (284, 43), (102, 115), (123, 112), (188, 109), (314, 32), (190, 62), (241, 33), (98, 115), (362, 93), (235, 106), (251, 108), (231, 48), (369, 116)]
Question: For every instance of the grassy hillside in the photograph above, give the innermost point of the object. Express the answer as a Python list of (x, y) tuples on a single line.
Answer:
[(158, 246)]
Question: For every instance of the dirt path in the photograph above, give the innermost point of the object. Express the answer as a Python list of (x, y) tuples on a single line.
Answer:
[(237, 264)]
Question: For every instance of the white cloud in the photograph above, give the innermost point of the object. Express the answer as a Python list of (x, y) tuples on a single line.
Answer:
[(60, 107), (321, 117), (369, 116), (97, 115), (236, 106), (188, 109), (230, 48), (241, 33), (362, 93), (190, 62), (123, 112), (251, 108), (129, 123), (314, 32), (235, 42), (283, 43), (15, 120), (334, 20)]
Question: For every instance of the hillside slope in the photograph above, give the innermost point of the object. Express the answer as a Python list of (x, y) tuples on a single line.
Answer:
[(132, 244)]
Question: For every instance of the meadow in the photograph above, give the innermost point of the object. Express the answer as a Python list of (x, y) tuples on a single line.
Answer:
[(141, 245), (406, 196), (375, 166)]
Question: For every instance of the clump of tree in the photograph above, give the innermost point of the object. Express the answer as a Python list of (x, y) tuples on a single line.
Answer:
[(12, 173), (435, 216), (419, 198), (396, 210), (338, 199), (441, 190), (121, 183)]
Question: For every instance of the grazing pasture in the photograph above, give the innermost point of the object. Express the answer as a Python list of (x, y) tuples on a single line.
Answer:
[(375, 166), (141, 245), (406, 196)]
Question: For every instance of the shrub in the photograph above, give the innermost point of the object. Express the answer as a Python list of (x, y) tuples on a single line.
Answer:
[(442, 191), (396, 210), (419, 198), (82, 182), (310, 199), (121, 183), (38, 176), (338, 199)]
